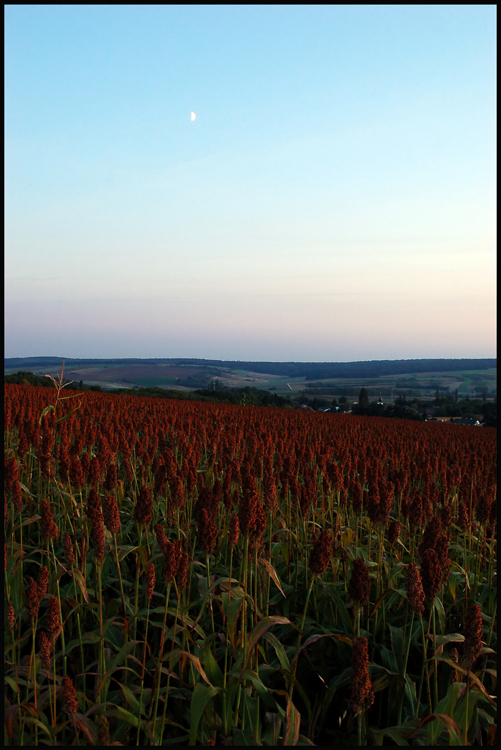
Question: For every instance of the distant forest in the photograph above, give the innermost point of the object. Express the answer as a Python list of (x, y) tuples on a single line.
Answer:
[(308, 370)]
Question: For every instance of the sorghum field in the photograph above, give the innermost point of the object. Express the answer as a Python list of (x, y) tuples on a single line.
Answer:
[(182, 573)]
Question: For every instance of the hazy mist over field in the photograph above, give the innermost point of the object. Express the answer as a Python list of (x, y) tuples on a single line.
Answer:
[(333, 200)]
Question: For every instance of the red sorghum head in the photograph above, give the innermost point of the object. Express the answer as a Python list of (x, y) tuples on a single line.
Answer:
[(182, 571), (161, 537), (360, 586), (49, 528), (414, 588), (44, 649), (393, 532), (320, 556), (463, 516), (32, 602), (11, 618), (52, 618), (69, 695), (431, 534), (111, 477), (68, 549), (98, 536), (247, 511), (144, 506), (472, 633), (77, 475), (42, 582), (103, 731), (442, 550), (431, 574), (259, 523), (150, 581), (356, 496), (17, 497), (234, 531), (93, 505), (171, 560), (111, 515), (207, 532), (361, 696), (94, 475), (416, 510), (446, 516)]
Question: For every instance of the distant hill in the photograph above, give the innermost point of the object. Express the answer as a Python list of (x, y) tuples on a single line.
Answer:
[(306, 370)]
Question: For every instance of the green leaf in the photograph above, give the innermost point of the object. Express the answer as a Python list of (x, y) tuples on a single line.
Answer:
[(234, 608), (116, 663), (178, 653), (77, 574), (46, 411), (397, 645), (260, 629), (441, 640), (273, 722), (410, 695), (453, 730), (126, 715), (292, 724), (12, 684), (342, 611), (202, 694), (244, 738), (61, 419), (212, 668), (261, 688), (131, 698), (471, 675), (439, 608), (86, 727), (381, 599), (393, 733), (272, 573), (38, 723), (396, 569), (280, 650), (317, 637)]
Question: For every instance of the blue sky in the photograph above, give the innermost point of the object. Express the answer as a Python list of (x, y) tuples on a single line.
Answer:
[(334, 200)]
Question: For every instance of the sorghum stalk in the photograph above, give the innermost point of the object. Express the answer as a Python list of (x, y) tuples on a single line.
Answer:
[(60, 611), (296, 659), (101, 661), (121, 586), (82, 660), (158, 673), (136, 597), (435, 663), (208, 587), (406, 657), (424, 669), (170, 663), (142, 674)]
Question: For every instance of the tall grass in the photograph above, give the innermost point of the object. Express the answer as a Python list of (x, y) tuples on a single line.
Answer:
[(243, 575)]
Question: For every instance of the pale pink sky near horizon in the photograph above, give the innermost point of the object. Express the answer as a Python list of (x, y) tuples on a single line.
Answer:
[(334, 200)]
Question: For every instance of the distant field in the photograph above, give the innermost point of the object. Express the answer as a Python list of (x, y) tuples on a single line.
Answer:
[(184, 377)]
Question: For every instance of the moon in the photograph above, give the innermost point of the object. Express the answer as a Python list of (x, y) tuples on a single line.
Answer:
[(193, 116)]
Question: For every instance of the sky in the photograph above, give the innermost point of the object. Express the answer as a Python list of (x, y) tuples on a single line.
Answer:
[(333, 200)]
